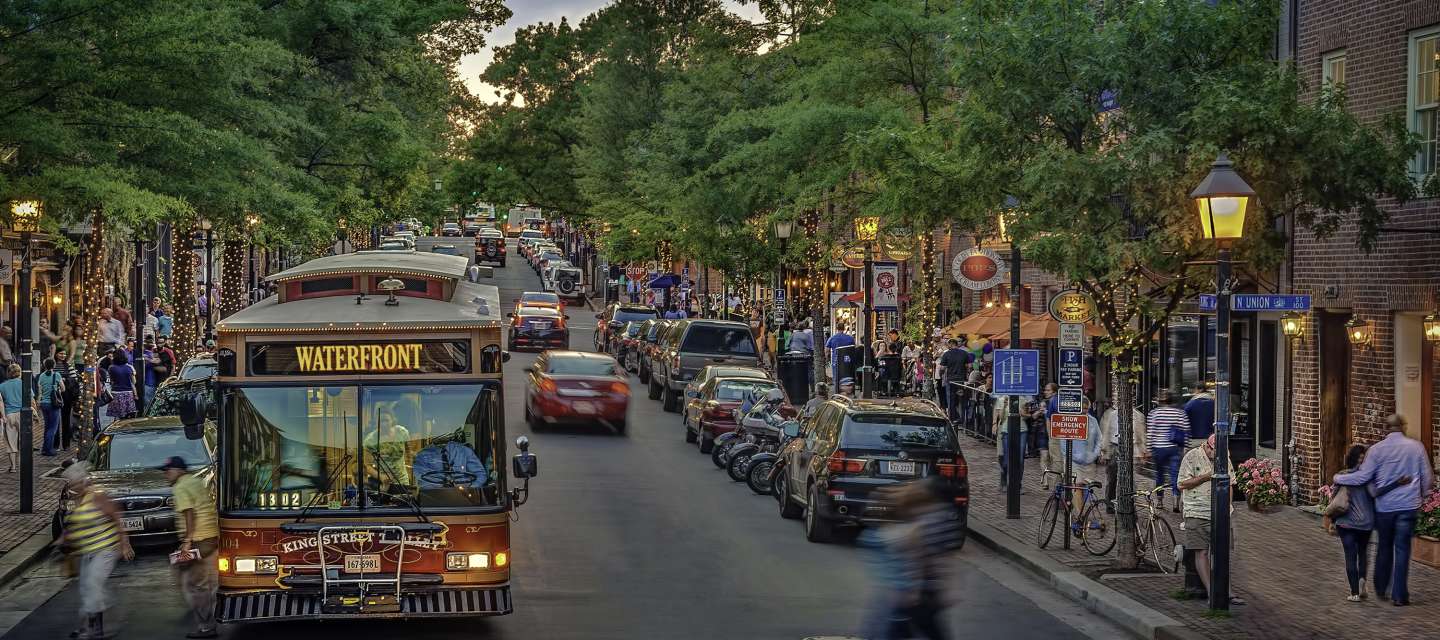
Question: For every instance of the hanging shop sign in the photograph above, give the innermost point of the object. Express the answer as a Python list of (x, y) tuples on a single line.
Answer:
[(1072, 306), (887, 286), (898, 244), (978, 269), (854, 257)]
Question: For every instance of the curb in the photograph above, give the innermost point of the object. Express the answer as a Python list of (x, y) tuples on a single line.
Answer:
[(25, 555), (1138, 619)]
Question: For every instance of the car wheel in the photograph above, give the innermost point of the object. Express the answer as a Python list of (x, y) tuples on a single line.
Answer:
[(619, 428), (690, 436), (706, 444), (671, 401), (653, 391), (643, 373), (817, 528), (788, 509)]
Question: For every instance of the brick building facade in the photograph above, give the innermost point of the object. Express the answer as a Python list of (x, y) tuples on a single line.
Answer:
[(1386, 56)]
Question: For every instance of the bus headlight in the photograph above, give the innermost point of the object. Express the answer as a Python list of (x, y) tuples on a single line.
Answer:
[(463, 561), (257, 565)]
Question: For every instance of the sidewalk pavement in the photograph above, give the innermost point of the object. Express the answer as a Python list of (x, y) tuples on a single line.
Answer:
[(1288, 569), (17, 528)]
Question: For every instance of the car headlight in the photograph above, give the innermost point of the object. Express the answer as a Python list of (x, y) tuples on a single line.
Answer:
[(257, 565), (170, 501), (463, 561)]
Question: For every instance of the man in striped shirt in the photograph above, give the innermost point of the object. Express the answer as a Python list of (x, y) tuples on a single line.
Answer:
[(1166, 430)]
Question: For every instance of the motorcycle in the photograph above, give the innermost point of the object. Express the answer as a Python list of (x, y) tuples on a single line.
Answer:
[(762, 436), (757, 415), (764, 465)]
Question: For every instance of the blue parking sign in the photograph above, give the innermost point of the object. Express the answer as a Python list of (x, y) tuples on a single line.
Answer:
[(1071, 367), (1017, 372)]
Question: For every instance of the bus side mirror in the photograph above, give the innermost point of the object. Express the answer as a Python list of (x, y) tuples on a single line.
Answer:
[(526, 465), (193, 408)]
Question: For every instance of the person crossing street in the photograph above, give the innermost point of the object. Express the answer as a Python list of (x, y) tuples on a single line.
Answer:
[(199, 536)]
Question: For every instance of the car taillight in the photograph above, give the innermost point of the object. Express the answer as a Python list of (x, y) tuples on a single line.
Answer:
[(713, 410), (546, 384), (841, 464), (676, 362), (620, 388), (952, 470)]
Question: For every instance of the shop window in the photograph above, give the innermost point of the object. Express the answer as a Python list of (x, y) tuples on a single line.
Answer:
[(1424, 98)]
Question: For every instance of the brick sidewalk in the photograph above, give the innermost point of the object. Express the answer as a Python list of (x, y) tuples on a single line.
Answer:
[(1288, 569), (15, 527)]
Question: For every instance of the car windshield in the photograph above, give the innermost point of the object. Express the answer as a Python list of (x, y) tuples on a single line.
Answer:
[(736, 389), (580, 366), (197, 370), (341, 448), (531, 233), (632, 330), (892, 431), (631, 315), (719, 340), (147, 448), (535, 296)]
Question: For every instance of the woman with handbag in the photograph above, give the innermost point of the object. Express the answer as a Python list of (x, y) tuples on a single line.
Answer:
[(1350, 514), (10, 433)]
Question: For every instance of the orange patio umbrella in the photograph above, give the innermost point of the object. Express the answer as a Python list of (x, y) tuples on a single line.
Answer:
[(1045, 328), (987, 322)]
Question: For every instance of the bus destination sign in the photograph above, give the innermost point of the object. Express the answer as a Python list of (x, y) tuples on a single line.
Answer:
[(361, 358)]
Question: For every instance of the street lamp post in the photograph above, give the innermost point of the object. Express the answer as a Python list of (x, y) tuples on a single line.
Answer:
[(25, 218), (138, 311), (866, 230), (1014, 463), (1221, 199), (209, 283), (783, 230)]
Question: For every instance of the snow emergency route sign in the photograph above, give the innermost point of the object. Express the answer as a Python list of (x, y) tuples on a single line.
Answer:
[(1068, 427)]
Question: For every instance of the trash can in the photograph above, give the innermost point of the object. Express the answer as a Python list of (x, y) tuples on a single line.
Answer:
[(888, 378), (793, 370), (848, 361)]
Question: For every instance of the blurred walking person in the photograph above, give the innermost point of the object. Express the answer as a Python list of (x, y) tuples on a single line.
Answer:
[(200, 535), (909, 558), (94, 533)]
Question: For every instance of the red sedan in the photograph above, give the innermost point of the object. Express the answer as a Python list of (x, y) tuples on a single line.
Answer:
[(576, 387), (717, 402)]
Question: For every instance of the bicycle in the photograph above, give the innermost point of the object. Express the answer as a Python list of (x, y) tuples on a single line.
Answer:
[(1154, 539), (1089, 524)]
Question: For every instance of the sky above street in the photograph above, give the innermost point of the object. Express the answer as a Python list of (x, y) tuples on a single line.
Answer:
[(529, 12)]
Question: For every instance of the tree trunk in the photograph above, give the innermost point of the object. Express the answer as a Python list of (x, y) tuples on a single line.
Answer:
[(92, 297), (182, 288), (234, 291), (1123, 394)]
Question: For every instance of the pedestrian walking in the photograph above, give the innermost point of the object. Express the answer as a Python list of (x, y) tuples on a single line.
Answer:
[(1196, 472), (909, 558), (199, 536), (1000, 429), (110, 332), (1200, 411), (94, 536), (10, 392), (952, 372), (1351, 516), (1387, 463), (50, 396), (1167, 430), (122, 386), (69, 397)]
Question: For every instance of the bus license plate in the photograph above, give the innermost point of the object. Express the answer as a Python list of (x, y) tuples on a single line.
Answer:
[(133, 524), (363, 563), (900, 468)]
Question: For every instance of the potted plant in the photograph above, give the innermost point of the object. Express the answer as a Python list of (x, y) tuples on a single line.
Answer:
[(1426, 549), (1261, 481)]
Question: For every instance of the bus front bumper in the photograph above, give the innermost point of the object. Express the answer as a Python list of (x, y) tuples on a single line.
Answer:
[(262, 606)]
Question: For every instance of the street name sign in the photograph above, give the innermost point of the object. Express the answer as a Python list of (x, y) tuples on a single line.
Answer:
[(1258, 302), (1072, 335), (1068, 427), (1070, 401), (1071, 367), (1017, 372)]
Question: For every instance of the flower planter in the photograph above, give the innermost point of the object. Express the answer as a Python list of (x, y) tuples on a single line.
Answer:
[(1426, 551), (1262, 508)]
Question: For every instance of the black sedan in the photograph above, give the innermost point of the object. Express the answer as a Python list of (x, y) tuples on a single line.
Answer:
[(122, 465), (538, 328)]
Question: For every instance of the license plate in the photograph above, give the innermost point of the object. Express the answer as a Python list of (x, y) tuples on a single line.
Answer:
[(900, 468), (584, 407), (133, 524), (364, 563), (539, 325)]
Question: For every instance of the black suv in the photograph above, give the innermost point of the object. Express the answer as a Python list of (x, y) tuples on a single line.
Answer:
[(614, 317), (848, 449), (490, 247), (689, 345)]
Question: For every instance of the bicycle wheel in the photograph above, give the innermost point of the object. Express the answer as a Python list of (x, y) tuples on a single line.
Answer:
[(1097, 531), (1162, 546), (1047, 521)]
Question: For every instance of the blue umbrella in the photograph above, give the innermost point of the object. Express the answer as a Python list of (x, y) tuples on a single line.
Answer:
[(665, 281)]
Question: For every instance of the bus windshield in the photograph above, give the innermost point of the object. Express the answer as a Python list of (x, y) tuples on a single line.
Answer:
[(348, 448)]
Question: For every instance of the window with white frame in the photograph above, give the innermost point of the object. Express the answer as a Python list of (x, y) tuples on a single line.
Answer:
[(1425, 95), (1332, 69)]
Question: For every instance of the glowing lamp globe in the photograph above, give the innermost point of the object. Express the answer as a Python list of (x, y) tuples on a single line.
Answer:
[(1222, 199)]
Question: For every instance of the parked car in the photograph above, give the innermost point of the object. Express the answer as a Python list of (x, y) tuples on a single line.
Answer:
[(539, 299), (526, 237), (540, 327), (629, 343), (831, 473), (123, 465), (445, 249), (715, 407), (692, 388), (542, 256), (651, 330), (689, 345), (490, 247), (575, 387), (614, 317), (567, 280), (451, 230)]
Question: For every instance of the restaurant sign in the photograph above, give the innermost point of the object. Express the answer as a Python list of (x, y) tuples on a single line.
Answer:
[(361, 358), (1072, 306)]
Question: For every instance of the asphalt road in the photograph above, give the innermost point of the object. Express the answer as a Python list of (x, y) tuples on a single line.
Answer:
[(624, 537)]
